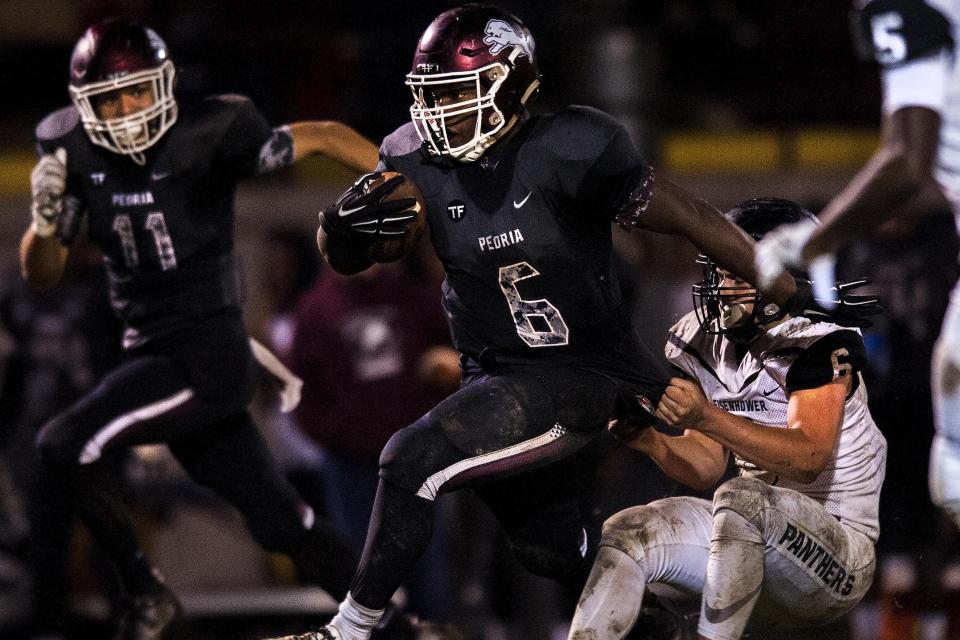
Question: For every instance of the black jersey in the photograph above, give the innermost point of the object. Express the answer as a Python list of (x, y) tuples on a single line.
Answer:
[(165, 228), (525, 237)]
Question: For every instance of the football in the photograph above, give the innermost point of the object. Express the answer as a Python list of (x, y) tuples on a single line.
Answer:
[(393, 249)]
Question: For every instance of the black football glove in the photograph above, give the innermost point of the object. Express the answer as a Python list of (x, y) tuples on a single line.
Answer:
[(363, 210), (850, 310)]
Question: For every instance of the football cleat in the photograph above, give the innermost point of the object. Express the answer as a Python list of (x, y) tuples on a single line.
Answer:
[(326, 633), (146, 617)]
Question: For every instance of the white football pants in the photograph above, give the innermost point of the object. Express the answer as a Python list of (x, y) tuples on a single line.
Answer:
[(945, 382), (760, 553)]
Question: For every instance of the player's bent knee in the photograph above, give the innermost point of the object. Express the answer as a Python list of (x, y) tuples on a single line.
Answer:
[(405, 458), (746, 497), (625, 530)]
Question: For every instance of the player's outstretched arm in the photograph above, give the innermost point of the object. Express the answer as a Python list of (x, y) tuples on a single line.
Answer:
[(895, 174), (692, 459), (673, 210), (799, 452), (334, 140)]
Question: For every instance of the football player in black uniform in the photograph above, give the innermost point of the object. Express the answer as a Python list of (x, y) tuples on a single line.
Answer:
[(519, 210), (156, 181)]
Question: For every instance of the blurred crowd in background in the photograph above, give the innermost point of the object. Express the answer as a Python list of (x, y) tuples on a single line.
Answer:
[(711, 89)]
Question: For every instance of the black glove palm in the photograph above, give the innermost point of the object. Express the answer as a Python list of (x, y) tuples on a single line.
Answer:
[(364, 210), (850, 310)]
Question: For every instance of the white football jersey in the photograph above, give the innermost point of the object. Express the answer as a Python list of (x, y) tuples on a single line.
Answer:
[(757, 387), (917, 45)]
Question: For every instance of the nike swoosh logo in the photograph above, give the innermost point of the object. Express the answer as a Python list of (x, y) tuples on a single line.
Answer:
[(770, 392), (347, 212), (716, 616), (159, 176), (517, 205)]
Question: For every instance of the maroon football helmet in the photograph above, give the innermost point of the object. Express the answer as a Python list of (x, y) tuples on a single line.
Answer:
[(473, 72), (114, 55)]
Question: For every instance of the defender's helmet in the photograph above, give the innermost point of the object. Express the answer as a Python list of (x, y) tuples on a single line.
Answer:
[(739, 311), (113, 55), (475, 62)]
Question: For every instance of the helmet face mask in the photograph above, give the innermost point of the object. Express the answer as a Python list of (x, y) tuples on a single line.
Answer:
[(440, 121), (134, 133), (472, 74), (114, 58), (733, 308), (727, 306)]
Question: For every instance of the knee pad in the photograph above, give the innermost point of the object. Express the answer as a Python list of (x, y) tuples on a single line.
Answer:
[(746, 497)]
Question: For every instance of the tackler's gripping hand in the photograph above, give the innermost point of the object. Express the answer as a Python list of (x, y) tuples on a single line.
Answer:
[(845, 308), (363, 209), (48, 182)]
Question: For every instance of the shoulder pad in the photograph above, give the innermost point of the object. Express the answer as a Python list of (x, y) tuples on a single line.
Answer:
[(686, 326), (583, 120), (226, 103), (58, 124), (838, 354), (229, 99), (401, 142), (800, 331), (587, 116), (895, 32), (576, 132), (684, 331)]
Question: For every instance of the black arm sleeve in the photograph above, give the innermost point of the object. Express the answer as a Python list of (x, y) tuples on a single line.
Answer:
[(895, 32), (836, 355)]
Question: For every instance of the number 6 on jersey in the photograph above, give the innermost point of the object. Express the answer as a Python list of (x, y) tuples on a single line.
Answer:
[(538, 322)]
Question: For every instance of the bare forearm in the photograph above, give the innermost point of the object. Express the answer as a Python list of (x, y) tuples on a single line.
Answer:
[(894, 175), (788, 452), (872, 197), (336, 141), (673, 210), (685, 458), (42, 260)]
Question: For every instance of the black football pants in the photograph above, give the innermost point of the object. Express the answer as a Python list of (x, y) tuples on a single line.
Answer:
[(512, 436), (156, 398)]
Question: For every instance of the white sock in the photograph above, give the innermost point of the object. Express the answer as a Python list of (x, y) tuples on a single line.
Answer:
[(354, 621)]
